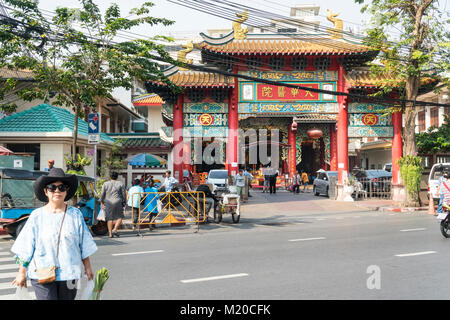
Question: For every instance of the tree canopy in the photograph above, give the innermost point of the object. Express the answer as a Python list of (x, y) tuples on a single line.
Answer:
[(421, 50), (74, 54), (435, 140)]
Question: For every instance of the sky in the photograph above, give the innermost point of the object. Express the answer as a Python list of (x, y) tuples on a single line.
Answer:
[(190, 20)]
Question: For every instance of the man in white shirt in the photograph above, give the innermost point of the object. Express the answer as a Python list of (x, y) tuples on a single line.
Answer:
[(240, 184), (169, 183)]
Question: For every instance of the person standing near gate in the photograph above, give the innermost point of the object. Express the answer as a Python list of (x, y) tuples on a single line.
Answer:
[(296, 182), (273, 174), (240, 184), (133, 200), (305, 180)]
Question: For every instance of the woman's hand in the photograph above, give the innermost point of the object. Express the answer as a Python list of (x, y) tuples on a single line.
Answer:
[(88, 269), (21, 278), (89, 273)]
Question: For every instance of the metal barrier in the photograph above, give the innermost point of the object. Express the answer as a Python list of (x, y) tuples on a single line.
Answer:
[(169, 208), (379, 188)]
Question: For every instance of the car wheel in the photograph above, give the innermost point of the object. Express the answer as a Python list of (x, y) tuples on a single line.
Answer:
[(19, 228), (327, 194), (315, 191)]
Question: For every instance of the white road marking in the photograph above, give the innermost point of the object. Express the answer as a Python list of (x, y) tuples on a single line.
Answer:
[(7, 259), (417, 229), (7, 285), (308, 239), (13, 296), (321, 219), (6, 275), (5, 253), (216, 278), (132, 253), (9, 266), (414, 254)]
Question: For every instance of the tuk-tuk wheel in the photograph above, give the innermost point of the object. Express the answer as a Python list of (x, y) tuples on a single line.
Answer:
[(236, 217), (100, 229), (218, 215), (19, 228)]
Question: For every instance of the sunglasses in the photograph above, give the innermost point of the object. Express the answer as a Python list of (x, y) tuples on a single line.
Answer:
[(60, 187)]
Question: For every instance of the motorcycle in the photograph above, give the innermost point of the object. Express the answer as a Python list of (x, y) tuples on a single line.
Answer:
[(445, 220)]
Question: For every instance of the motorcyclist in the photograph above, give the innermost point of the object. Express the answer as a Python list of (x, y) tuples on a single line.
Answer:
[(445, 189), (210, 199)]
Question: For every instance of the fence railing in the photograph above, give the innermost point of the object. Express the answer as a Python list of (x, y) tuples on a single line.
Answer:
[(169, 208), (367, 188)]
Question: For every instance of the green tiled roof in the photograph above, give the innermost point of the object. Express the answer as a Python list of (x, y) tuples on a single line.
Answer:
[(145, 143), (45, 118)]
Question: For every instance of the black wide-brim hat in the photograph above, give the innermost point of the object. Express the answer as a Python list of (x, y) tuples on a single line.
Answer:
[(55, 174)]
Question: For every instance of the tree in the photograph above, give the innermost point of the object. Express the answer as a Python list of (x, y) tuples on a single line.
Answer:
[(74, 57), (422, 50), (435, 140)]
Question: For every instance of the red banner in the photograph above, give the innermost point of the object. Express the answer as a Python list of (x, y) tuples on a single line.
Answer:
[(267, 92)]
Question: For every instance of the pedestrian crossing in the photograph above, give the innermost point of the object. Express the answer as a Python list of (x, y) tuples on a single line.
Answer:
[(8, 272)]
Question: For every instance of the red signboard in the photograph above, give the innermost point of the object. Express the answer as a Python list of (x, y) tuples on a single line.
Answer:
[(267, 92)]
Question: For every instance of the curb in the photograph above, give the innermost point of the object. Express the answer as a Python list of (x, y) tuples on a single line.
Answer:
[(390, 209)]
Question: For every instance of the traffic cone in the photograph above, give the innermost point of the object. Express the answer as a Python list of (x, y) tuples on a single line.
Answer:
[(431, 206)]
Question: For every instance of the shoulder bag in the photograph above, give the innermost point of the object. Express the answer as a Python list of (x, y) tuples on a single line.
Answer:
[(48, 274)]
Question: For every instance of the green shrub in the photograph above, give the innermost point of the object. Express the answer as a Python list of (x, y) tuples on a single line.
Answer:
[(411, 173)]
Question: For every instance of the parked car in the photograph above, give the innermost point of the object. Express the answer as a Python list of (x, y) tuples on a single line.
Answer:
[(321, 184), (218, 178), (375, 182), (433, 179)]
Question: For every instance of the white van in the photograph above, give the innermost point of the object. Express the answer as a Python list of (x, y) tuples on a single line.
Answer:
[(433, 180), (218, 178)]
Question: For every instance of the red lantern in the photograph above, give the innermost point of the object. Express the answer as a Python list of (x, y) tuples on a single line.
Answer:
[(314, 133)]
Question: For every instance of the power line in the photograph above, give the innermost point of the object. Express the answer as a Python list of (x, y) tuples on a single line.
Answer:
[(388, 101), (223, 12)]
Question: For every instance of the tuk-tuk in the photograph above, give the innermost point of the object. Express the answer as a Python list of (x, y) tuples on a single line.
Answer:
[(17, 200)]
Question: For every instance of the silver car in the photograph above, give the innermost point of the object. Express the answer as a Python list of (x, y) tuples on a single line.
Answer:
[(321, 184)]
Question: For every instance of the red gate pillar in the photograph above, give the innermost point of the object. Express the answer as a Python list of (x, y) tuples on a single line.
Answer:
[(333, 148), (233, 127), (342, 134), (292, 130), (397, 146), (178, 139)]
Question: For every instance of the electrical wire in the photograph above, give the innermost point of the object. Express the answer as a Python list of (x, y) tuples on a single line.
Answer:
[(229, 74)]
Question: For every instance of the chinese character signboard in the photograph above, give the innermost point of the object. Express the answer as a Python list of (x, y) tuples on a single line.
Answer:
[(368, 120)]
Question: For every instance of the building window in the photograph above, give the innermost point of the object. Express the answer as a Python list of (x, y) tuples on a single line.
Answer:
[(421, 117), (29, 149), (442, 159), (434, 117), (426, 162)]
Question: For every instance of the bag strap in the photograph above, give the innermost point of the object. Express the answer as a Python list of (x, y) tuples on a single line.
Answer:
[(59, 235)]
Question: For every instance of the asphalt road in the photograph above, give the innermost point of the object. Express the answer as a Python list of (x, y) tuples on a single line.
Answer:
[(346, 255)]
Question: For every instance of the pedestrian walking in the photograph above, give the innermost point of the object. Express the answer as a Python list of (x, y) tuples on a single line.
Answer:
[(55, 241), (169, 182), (134, 199), (113, 200), (249, 179), (296, 182), (305, 180), (240, 184)]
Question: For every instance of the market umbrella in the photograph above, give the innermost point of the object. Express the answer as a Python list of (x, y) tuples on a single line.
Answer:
[(146, 160), (5, 152)]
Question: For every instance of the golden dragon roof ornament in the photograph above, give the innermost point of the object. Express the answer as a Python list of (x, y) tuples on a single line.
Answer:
[(336, 32), (188, 47), (239, 32)]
